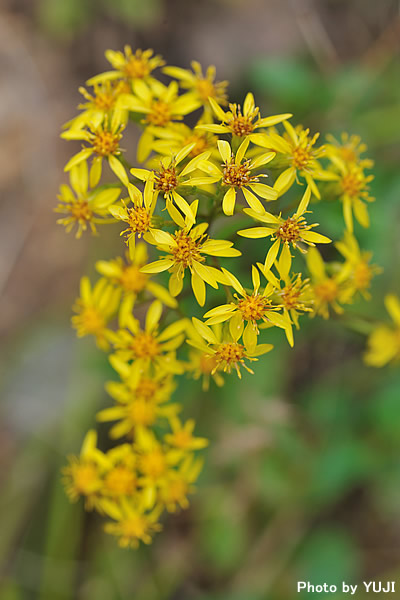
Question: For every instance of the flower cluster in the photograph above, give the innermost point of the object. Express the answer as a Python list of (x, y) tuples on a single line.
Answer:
[(177, 300)]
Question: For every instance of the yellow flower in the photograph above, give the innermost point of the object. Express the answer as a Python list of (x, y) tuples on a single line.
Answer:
[(129, 66), (104, 140), (120, 479), (241, 124), (353, 189), (328, 290), (294, 231), (160, 104), (141, 398), (84, 208), (250, 307), (169, 177), (185, 250), (100, 104), (235, 174), (349, 149), (133, 522), (132, 283), (181, 436), (201, 365), (95, 308), (384, 341), (292, 292), (203, 86), (361, 271), (83, 475), (176, 486), (139, 216), (302, 156), (173, 138), (224, 348), (148, 346)]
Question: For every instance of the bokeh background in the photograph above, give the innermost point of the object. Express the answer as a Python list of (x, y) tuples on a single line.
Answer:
[(302, 477)]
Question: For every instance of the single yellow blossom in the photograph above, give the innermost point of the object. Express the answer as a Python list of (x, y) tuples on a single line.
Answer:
[(293, 231), (177, 485), (241, 124), (353, 190), (384, 341), (329, 290), (236, 174), (129, 66), (84, 207), (187, 249), (361, 271), (133, 522), (203, 86), (95, 308), (349, 149), (201, 366), (181, 436)]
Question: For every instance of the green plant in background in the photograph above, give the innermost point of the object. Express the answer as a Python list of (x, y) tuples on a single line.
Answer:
[(196, 181)]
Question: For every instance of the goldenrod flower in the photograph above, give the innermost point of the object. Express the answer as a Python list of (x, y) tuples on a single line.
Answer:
[(83, 475), (174, 137), (84, 207), (170, 176), (236, 174), (250, 307), (160, 104), (328, 290), (241, 124), (120, 478), (225, 348), (139, 216), (302, 156), (104, 140), (201, 366), (349, 149), (141, 400), (95, 308), (148, 346), (132, 282), (384, 341), (361, 271), (181, 437), (293, 231), (203, 86), (185, 249), (129, 66), (133, 522), (292, 292), (100, 104), (177, 485), (353, 189)]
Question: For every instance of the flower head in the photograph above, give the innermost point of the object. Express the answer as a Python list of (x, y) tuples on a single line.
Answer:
[(384, 341), (202, 85)]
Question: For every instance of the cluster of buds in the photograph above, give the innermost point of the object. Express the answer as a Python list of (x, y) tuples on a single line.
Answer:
[(196, 177)]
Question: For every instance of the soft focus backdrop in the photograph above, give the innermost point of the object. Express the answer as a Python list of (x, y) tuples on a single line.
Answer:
[(302, 476)]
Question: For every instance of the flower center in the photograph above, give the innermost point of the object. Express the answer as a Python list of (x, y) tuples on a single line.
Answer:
[(176, 491), (205, 88), (207, 364), (353, 183), (85, 478), (134, 527), (186, 249), (139, 220), (120, 481), (182, 438), (142, 412), (166, 179), (303, 153), (289, 231), (153, 464), (80, 211), (160, 113), (144, 345), (290, 296), (105, 142), (132, 280), (237, 175), (253, 307), (301, 157), (90, 321), (230, 353), (146, 389), (239, 124), (136, 67), (200, 141), (327, 290), (362, 275)]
